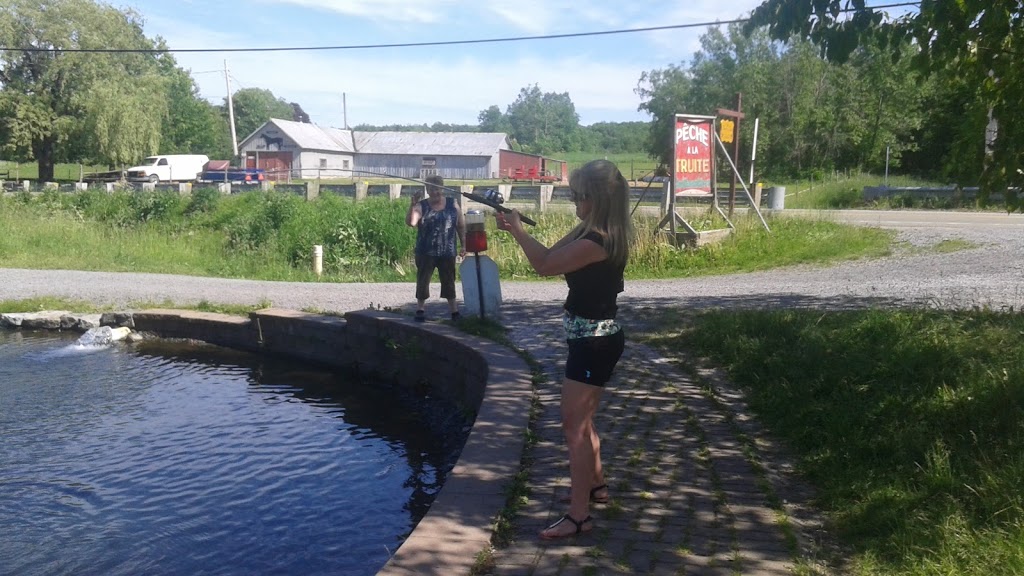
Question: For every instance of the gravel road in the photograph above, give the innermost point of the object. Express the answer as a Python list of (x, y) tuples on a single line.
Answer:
[(989, 274)]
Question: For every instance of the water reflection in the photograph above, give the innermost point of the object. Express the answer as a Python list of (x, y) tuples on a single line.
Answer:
[(428, 431), (174, 457)]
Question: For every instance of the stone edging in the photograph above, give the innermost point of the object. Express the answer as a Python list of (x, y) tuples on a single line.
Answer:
[(479, 375)]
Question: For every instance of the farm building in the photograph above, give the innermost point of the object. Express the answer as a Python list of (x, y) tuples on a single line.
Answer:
[(518, 166), (287, 149)]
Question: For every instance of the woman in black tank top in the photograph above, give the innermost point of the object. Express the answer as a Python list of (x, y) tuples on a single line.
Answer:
[(592, 256)]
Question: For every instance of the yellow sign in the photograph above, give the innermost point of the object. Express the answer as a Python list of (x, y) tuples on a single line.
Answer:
[(727, 130)]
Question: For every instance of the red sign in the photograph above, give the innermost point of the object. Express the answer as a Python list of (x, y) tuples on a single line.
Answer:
[(694, 155)]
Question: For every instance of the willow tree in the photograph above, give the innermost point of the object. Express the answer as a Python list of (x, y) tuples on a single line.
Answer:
[(60, 103)]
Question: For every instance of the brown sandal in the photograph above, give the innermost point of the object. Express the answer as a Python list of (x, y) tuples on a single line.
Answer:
[(578, 523)]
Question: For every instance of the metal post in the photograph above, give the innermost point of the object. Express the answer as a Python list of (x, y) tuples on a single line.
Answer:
[(479, 284)]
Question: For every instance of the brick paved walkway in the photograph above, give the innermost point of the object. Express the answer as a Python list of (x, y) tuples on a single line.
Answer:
[(695, 487)]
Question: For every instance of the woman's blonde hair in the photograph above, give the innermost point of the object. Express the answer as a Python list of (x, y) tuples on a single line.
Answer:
[(601, 182)]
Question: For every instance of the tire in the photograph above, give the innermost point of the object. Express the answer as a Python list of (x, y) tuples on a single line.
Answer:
[(153, 178)]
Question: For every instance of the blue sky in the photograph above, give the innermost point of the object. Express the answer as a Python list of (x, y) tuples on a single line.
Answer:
[(449, 84)]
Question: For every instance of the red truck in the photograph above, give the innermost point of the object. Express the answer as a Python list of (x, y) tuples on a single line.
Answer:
[(222, 171)]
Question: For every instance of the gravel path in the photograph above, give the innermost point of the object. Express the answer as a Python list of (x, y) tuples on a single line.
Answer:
[(990, 274)]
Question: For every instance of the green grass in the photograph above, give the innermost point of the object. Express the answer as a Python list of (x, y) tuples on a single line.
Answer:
[(845, 192), (838, 192), (47, 303), (909, 423), (633, 165), (61, 172), (269, 236)]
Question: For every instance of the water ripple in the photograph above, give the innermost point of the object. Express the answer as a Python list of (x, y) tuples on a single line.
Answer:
[(128, 461)]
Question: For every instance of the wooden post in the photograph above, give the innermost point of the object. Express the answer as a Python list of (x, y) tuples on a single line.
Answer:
[(735, 116)]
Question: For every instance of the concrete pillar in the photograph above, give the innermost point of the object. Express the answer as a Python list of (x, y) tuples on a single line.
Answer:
[(109, 187), (185, 188), (544, 197), (506, 191), (361, 187), (394, 191), (465, 189), (26, 185), (51, 186), (757, 194), (266, 185), (313, 190), (148, 187), (81, 186), (224, 188)]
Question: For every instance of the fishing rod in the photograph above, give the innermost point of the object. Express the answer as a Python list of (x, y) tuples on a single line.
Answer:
[(474, 197)]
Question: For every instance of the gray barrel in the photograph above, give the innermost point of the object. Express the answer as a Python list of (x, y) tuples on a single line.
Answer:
[(777, 197)]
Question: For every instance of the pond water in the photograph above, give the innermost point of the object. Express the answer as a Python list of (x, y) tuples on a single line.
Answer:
[(178, 458)]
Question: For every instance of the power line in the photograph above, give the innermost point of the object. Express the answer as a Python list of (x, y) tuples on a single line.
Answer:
[(416, 44)]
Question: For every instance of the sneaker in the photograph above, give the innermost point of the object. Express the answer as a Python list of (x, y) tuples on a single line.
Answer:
[(456, 316), (420, 316)]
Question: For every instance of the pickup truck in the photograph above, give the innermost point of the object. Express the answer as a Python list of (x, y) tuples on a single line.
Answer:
[(222, 171)]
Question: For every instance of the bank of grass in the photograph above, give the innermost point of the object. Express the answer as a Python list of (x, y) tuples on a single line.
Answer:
[(51, 303), (270, 236), (909, 423), (848, 192)]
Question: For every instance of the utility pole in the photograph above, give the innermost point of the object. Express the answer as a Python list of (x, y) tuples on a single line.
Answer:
[(231, 110)]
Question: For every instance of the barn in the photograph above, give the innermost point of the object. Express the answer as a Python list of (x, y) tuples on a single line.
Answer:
[(298, 150), (285, 149)]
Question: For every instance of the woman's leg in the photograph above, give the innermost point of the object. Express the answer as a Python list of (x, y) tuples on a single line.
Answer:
[(446, 274), (424, 271), (579, 404)]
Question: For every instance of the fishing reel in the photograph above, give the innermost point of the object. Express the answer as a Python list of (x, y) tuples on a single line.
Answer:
[(494, 196)]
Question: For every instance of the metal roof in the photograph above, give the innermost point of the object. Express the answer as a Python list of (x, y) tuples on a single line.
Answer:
[(429, 143), (313, 137)]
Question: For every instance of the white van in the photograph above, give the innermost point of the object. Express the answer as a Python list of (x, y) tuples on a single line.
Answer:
[(168, 168)]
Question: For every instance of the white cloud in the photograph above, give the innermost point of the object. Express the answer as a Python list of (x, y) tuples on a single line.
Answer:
[(416, 11)]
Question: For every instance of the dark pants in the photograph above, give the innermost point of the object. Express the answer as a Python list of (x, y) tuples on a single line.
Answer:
[(425, 266)]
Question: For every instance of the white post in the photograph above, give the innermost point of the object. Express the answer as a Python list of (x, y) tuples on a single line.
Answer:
[(318, 259), (231, 110), (753, 151), (887, 166)]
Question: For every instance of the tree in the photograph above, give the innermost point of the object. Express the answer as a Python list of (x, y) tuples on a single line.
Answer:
[(664, 94), (978, 41), (492, 120), (814, 116), (254, 106), (544, 122), (57, 105), (192, 125)]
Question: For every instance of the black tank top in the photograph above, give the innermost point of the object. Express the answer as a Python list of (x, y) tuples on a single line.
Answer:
[(594, 288)]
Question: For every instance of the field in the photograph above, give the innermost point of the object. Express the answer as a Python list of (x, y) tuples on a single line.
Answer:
[(633, 165), (30, 171)]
